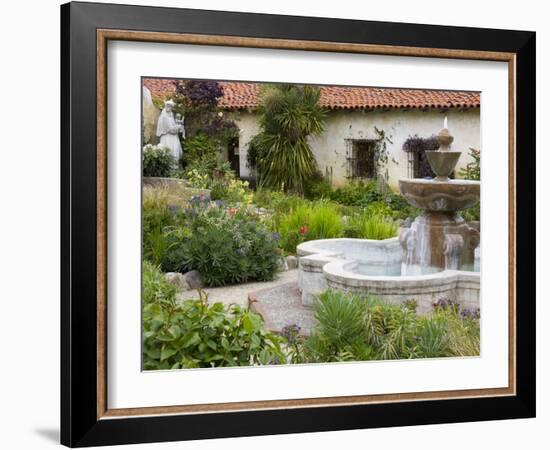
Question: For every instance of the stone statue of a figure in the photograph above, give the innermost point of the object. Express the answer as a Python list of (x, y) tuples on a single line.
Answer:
[(169, 128)]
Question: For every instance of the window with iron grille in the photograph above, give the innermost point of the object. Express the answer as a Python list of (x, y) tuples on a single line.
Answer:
[(418, 166), (416, 147), (361, 158)]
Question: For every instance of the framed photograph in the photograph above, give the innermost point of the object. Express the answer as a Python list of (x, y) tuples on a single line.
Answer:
[(276, 224)]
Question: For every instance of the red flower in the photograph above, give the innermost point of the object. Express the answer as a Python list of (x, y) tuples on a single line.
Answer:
[(303, 230), (232, 211)]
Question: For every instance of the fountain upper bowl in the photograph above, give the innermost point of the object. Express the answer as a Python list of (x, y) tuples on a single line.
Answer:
[(433, 195)]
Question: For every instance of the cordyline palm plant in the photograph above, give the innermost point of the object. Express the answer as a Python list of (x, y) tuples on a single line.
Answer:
[(289, 114)]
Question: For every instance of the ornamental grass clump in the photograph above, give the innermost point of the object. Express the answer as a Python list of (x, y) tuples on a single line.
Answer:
[(370, 226), (325, 222), (308, 222), (157, 217)]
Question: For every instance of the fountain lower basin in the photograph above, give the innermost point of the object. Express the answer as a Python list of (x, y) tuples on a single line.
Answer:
[(371, 267)]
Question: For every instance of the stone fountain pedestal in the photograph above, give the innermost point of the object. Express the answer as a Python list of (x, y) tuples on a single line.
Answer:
[(437, 241), (440, 238)]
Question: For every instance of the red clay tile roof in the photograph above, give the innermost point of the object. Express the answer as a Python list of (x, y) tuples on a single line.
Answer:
[(159, 87), (237, 95), (372, 98)]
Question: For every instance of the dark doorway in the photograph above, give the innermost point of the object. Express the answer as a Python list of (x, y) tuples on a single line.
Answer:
[(233, 156)]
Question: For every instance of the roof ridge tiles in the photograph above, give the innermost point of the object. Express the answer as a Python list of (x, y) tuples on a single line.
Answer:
[(243, 95)]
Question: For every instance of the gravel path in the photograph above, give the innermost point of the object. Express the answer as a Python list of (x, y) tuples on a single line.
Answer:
[(281, 306), (239, 293)]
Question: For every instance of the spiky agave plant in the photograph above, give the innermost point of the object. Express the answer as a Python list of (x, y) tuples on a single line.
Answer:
[(340, 332), (289, 114)]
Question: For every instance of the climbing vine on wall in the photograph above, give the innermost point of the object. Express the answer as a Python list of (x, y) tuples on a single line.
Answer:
[(381, 154), (416, 147)]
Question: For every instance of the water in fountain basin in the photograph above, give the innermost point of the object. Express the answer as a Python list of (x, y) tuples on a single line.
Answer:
[(370, 269), (395, 270), (470, 268)]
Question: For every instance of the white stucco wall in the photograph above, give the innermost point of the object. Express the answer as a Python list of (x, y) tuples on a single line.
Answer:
[(330, 147)]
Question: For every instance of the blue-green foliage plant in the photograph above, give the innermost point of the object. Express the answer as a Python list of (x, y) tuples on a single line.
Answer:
[(226, 245)]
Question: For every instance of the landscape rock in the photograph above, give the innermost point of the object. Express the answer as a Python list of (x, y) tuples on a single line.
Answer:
[(292, 262), (282, 264), (194, 279), (178, 280)]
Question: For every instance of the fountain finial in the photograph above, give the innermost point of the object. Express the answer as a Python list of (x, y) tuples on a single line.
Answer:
[(444, 137), (443, 160)]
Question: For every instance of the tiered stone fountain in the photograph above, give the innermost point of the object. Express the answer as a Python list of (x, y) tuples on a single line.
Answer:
[(434, 258), (439, 239)]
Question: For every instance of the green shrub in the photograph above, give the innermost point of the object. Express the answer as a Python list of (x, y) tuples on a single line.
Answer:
[(157, 161), (199, 178), (225, 245), (317, 187), (472, 170), (231, 190), (357, 194), (370, 226), (472, 213), (156, 289), (354, 328), (203, 175), (461, 327), (378, 208), (194, 333), (399, 207), (200, 148), (277, 201), (308, 222), (365, 194), (203, 163)]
